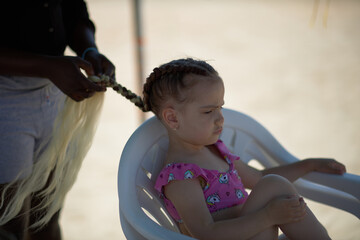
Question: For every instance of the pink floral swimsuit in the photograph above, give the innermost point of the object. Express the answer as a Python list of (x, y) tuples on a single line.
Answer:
[(221, 190)]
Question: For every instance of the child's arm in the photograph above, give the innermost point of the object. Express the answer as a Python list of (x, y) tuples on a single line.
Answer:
[(298, 169), (188, 199), (250, 176)]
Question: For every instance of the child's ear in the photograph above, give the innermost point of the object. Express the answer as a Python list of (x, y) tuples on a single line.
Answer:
[(170, 118)]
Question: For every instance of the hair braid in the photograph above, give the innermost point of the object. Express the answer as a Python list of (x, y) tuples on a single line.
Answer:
[(165, 81), (105, 80)]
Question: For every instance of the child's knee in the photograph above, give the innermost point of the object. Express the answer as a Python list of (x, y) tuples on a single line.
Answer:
[(279, 182), (275, 179)]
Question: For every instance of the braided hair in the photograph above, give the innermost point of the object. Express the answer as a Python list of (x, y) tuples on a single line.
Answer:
[(168, 81), (165, 81)]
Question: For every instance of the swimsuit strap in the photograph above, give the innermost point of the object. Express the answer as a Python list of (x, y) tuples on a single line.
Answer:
[(225, 153)]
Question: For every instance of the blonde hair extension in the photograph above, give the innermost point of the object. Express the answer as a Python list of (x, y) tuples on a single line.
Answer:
[(73, 132)]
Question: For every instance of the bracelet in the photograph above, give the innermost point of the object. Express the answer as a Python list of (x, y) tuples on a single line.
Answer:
[(89, 49)]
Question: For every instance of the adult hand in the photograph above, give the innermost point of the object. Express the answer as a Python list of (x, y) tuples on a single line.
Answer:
[(286, 209), (100, 64), (65, 73), (326, 165)]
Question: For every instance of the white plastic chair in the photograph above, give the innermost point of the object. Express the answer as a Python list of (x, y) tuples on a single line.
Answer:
[(142, 213)]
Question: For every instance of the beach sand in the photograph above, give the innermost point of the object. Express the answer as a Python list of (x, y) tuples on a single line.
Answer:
[(295, 70)]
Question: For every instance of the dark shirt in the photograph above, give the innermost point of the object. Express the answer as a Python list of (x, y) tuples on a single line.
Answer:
[(41, 26)]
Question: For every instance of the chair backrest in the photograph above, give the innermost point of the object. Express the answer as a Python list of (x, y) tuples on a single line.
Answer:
[(142, 213)]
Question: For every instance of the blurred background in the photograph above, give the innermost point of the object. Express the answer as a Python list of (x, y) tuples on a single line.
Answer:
[(292, 65)]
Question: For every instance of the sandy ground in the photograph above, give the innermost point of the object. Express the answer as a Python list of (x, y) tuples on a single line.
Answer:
[(286, 65)]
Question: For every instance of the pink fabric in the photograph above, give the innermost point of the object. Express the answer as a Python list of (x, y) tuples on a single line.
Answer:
[(222, 190)]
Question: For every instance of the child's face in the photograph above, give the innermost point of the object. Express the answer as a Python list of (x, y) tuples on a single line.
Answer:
[(201, 119)]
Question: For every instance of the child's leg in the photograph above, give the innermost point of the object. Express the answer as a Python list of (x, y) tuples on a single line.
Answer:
[(272, 186), (308, 228)]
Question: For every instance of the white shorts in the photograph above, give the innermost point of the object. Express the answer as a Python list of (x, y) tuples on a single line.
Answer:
[(28, 108)]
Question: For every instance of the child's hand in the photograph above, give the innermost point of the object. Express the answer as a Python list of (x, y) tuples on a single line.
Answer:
[(284, 210), (326, 165)]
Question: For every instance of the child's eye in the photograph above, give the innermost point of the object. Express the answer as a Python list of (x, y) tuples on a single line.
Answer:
[(207, 112)]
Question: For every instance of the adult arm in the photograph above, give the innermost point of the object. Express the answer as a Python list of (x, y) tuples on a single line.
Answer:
[(64, 72), (81, 32)]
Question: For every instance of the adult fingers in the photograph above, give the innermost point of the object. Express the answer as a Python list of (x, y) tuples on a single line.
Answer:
[(97, 68), (102, 66), (88, 93), (76, 96), (109, 68), (85, 65), (81, 95), (92, 87)]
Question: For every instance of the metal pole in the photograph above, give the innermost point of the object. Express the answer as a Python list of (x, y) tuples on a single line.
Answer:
[(138, 51)]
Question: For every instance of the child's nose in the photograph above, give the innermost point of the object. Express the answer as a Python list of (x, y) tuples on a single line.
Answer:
[(220, 119)]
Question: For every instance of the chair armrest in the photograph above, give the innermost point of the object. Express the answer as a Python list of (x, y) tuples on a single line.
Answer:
[(338, 191), (349, 183)]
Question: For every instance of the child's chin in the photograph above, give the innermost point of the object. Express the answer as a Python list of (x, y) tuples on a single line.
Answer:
[(215, 140)]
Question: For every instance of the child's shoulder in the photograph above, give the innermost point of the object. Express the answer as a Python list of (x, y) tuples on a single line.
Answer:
[(183, 164), (181, 157), (179, 167), (179, 160), (179, 171)]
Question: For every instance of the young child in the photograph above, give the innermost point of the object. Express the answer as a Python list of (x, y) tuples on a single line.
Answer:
[(203, 184)]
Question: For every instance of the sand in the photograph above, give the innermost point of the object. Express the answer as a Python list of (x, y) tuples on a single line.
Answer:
[(290, 67)]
